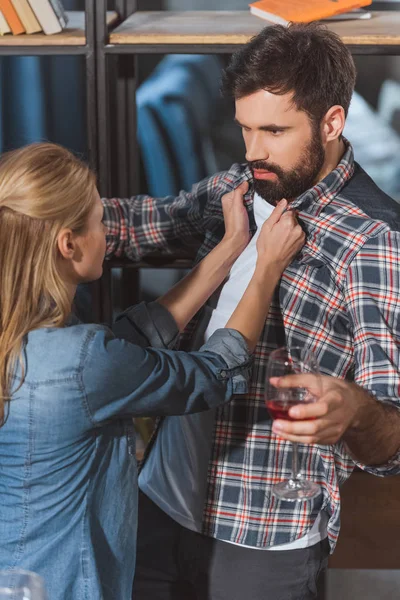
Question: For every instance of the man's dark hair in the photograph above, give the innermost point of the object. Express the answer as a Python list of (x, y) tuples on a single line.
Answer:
[(306, 59)]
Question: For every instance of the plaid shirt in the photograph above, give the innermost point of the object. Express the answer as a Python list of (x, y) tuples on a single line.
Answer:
[(340, 297)]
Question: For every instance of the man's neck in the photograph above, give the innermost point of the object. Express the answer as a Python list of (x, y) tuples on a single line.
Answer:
[(333, 156)]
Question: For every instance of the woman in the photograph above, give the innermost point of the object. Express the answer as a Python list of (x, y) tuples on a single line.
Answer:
[(68, 486)]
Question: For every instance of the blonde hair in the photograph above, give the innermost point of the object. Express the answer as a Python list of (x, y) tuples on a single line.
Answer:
[(43, 189)]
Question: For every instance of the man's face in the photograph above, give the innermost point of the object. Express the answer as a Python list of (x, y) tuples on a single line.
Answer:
[(283, 148)]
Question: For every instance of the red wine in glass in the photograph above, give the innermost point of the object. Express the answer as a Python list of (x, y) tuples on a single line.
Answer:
[(280, 405)]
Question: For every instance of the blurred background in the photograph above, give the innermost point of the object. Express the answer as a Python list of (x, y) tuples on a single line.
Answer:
[(43, 98), (185, 132)]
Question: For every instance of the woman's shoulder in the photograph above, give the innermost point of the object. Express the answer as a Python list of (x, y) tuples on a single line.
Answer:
[(59, 350)]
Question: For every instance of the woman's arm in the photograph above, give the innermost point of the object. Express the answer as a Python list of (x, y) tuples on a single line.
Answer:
[(280, 239), (120, 378), (188, 296)]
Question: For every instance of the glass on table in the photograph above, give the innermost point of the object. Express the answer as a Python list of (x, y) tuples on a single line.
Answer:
[(282, 362)]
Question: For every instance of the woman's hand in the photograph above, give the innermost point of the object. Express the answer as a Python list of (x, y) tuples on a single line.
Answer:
[(280, 239), (237, 233), (189, 294)]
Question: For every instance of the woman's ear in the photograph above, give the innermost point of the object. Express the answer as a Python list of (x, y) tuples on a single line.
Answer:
[(333, 123), (66, 244)]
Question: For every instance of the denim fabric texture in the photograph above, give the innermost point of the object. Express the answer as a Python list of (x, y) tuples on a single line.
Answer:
[(68, 473)]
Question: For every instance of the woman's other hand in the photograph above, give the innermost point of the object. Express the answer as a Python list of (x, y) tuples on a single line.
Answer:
[(236, 219), (280, 239)]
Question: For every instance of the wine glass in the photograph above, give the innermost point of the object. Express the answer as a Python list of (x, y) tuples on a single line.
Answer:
[(281, 362), (17, 584)]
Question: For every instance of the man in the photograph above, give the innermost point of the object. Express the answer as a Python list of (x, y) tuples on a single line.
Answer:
[(209, 525)]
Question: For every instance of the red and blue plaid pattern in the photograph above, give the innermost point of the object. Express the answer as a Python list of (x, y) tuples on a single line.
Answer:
[(339, 297)]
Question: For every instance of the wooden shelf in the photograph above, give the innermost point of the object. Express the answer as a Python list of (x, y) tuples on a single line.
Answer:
[(73, 35), (237, 27)]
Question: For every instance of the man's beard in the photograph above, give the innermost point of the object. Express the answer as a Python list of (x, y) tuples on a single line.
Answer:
[(293, 183)]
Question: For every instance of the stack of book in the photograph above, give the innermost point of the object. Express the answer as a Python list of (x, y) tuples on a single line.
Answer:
[(301, 11), (32, 16)]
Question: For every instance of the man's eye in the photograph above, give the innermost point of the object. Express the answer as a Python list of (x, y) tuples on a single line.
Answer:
[(276, 131)]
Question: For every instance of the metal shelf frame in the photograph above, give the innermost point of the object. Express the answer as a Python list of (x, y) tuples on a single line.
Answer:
[(88, 51)]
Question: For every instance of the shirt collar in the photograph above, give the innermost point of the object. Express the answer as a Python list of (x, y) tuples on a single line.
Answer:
[(316, 198)]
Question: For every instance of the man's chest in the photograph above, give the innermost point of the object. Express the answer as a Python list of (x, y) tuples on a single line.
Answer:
[(308, 308)]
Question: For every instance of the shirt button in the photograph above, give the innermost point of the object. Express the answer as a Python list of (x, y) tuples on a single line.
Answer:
[(223, 373)]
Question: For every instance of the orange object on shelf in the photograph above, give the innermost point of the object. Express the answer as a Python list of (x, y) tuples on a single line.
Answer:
[(299, 11), (11, 16)]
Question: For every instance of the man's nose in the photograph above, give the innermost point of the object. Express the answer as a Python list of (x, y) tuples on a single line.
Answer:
[(256, 149)]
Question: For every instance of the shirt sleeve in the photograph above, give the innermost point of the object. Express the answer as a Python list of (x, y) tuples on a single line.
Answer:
[(373, 288), (120, 378), (141, 225), (147, 324)]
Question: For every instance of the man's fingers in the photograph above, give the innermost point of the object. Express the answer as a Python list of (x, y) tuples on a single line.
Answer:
[(321, 430), (328, 436), (310, 410), (304, 380)]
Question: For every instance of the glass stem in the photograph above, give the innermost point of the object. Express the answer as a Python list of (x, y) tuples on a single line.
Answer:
[(295, 461)]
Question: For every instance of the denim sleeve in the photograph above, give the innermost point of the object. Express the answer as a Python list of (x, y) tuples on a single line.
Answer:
[(230, 345), (147, 324), (120, 378)]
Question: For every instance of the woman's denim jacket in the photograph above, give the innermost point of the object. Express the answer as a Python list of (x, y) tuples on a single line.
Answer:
[(68, 474)]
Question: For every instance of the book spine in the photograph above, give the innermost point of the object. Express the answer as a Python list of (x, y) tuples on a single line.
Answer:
[(11, 17), (27, 16), (60, 12), (46, 16), (4, 27)]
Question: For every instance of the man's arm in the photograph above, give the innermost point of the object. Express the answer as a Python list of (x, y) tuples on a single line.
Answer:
[(141, 225), (364, 414)]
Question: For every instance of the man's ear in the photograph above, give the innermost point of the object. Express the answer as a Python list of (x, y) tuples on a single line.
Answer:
[(66, 244), (333, 123)]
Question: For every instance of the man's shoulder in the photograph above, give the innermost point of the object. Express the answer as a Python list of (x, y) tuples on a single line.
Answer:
[(372, 203)]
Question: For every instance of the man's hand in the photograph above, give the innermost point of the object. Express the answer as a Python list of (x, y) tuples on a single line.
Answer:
[(337, 409)]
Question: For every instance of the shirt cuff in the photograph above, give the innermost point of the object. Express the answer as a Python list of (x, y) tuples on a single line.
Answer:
[(391, 467), (231, 346), (151, 321)]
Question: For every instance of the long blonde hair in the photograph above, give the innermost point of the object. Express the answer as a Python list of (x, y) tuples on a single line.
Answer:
[(43, 189)]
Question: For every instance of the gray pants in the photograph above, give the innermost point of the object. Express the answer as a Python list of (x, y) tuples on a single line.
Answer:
[(174, 563)]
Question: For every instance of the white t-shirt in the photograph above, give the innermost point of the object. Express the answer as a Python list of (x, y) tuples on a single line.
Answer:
[(175, 474)]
